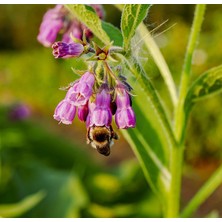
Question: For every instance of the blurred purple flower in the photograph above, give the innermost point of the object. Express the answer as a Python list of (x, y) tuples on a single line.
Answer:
[(99, 10), (19, 112), (74, 29), (52, 23), (57, 20)]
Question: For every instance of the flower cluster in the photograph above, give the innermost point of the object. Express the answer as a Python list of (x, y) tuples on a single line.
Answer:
[(59, 20), (98, 95)]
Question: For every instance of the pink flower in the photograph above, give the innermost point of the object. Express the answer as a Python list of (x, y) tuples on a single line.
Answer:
[(52, 23), (65, 112), (80, 92), (100, 112), (125, 116)]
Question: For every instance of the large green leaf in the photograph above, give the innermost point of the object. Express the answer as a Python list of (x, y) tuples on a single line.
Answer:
[(132, 16), (65, 197), (206, 85), (149, 143)]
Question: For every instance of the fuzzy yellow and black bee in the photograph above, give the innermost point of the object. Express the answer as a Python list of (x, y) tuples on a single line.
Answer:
[(100, 138)]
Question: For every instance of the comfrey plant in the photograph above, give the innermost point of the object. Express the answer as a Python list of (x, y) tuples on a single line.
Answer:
[(99, 93), (103, 91)]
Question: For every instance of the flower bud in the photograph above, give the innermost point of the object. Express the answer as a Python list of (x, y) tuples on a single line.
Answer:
[(65, 112), (80, 92), (83, 112), (64, 50)]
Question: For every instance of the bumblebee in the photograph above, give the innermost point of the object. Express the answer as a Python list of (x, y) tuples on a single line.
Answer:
[(100, 138)]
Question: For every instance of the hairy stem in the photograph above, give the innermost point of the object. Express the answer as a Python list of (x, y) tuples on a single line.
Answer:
[(160, 61), (180, 124), (186, 72)]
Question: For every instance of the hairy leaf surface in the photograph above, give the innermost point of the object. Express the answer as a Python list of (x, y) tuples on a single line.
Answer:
[(132, 16)]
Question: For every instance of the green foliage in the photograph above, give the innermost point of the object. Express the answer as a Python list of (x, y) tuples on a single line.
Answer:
[(206, 85), (33, 159), (148, 139), (17, 209), (113, 32), (90, 19), (132, 16)]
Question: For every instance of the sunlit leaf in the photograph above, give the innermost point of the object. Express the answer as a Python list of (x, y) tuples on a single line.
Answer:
[(132, 16), (206, 85), (91, 20), (149, 143)]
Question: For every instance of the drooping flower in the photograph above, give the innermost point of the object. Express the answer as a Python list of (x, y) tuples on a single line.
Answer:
[(100, 113), (125, 116), (52, 23), (80, 92), (65, 112), (64, 50)]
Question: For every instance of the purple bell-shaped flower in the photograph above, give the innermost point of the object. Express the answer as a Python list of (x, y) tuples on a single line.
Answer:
[(125, 116)]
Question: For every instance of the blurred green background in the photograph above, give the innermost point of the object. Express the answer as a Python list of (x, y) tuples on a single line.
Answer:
[(47, 170)]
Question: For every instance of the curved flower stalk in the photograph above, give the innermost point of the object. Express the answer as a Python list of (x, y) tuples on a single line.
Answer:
[(99, 94), (96, 103)]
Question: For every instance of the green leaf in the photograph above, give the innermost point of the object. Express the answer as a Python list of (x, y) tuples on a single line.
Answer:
[(66, 195), (90, 19), (17, 209), (206, 85), (114, 33), (148, 142), (132, 16), (148, 147)]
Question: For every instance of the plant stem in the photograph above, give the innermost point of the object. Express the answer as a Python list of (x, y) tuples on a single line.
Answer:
[(205, 191), (186, 72), (160, 62), (180, 124), (173, 204)]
